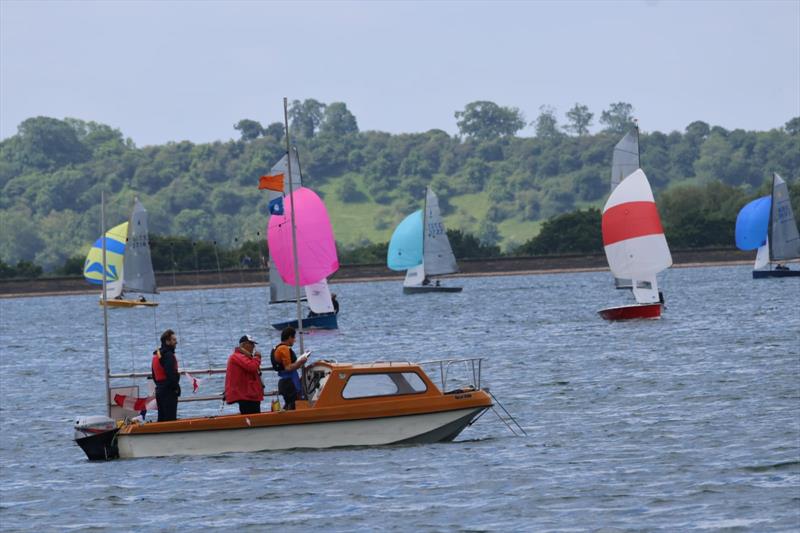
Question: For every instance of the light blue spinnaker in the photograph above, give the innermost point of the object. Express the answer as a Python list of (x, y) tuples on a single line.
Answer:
[(752, 224), (405, 248)]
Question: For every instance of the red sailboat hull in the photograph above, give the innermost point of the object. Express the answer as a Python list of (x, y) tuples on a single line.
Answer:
[(632, 312)]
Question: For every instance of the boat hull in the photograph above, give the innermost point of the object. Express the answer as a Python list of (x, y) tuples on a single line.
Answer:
[(314, 322), (128, 303), (422, 428), (761, 274), (430, 288), (632, 312)]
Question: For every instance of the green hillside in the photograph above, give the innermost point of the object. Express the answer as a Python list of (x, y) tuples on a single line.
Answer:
[(491, 183)]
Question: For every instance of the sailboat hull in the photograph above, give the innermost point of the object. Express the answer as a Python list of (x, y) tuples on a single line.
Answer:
[(128, 303), (419, 428), (632, 312), (761, 274), (315, 322), (430, 288)]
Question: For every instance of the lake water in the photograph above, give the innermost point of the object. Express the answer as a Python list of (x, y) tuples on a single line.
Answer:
[(689, 423)]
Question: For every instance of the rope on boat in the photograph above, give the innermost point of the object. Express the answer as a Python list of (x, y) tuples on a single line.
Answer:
[(177, 300), (202, 302), (231, 333), (508, 416), (241, 282)]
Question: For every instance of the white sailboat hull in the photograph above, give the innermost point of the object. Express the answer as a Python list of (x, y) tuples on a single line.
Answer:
[(422, 428)]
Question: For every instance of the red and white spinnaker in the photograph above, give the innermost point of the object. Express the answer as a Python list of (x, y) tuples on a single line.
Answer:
[(633, 237)]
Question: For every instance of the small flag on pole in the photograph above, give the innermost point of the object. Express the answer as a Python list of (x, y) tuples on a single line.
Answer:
[(195, 382), (273, 182), (276, 206)]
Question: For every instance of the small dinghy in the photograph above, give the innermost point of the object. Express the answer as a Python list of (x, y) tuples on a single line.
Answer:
[(635, 246), (768, 225), (419, 245)]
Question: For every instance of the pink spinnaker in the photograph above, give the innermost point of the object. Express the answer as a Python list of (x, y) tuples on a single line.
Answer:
[(316, 247)]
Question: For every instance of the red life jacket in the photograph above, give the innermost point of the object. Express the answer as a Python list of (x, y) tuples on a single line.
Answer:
[(159, 374)]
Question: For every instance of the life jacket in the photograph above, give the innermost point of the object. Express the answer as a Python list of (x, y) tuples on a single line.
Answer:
[(159, 374), (277, 366)]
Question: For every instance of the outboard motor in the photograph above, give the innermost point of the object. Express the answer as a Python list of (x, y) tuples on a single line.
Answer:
[(96, 437)]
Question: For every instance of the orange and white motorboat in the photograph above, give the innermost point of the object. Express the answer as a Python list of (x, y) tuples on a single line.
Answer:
[(363, 404)]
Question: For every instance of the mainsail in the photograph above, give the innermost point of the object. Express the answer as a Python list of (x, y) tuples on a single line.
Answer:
[(633, 238), (625, 160), (138, 269), (278, 290), (115, 252), (784, 241), (438, 255)]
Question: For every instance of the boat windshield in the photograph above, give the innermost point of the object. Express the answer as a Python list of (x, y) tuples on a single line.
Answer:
[(383, 384)]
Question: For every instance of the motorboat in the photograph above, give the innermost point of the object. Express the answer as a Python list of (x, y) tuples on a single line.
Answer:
[(348, 404)]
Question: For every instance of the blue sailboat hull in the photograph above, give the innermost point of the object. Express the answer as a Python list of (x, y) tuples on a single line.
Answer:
[(761, 274), (314, 322)]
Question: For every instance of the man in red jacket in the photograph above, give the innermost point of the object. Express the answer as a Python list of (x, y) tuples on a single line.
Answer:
[(243, 377)]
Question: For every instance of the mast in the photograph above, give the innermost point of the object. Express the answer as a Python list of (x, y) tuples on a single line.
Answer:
[(424, 230), (294, 230), (771, 218), (105, 299)]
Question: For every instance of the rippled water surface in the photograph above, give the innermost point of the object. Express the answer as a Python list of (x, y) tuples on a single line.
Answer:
[(691, 422)]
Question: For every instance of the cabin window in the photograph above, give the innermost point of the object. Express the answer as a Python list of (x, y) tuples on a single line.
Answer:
[(385, 384)]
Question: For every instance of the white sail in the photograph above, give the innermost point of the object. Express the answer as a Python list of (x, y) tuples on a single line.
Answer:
[(784, 240), (645, 291), (633, 238), (625, 160), (137, 271), (319, 297), (278, 290), (437, 253), (762, 256), (415, 276)]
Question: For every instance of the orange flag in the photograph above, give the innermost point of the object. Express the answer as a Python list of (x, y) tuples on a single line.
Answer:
[(273, 182)]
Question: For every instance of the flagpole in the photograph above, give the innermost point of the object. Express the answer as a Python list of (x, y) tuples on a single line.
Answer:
[(294, 230), (104, 301)]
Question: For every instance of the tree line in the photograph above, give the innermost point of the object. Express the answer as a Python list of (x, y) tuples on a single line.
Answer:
[(52, 172)]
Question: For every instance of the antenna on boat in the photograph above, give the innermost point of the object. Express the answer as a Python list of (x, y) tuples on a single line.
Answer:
[(294, 231), (105, 299)]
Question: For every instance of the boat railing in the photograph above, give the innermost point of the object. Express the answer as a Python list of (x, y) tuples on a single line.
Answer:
[(472, 366)]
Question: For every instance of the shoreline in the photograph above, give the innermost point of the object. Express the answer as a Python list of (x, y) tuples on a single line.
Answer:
[(501, 266)]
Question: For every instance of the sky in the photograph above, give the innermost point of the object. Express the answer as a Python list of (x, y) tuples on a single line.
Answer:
[(189, 70)]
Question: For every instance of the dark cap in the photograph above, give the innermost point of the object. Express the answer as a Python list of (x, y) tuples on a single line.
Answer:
[(247, 338)]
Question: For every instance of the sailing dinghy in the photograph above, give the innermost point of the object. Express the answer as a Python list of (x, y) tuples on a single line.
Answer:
[(635, 246), (129, 265), (419, 245), (318, 295), (768, 225)]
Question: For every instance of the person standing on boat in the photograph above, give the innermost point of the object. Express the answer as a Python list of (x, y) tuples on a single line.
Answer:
[(164, 369), (243, 377), (286, 363)]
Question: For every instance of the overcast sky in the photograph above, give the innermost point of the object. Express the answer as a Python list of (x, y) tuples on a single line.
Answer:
[(170, 71)]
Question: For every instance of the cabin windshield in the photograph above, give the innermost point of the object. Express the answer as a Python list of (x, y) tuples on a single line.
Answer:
[(383, 384)]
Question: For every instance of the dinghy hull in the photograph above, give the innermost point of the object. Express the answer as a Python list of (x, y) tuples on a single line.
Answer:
[(761, 274), (128, 303), (430, 288), (632, 312), (314, 322)]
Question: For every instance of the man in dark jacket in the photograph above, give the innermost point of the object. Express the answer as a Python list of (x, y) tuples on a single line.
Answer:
[(166, 377)]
